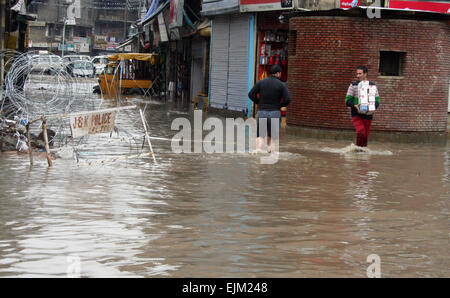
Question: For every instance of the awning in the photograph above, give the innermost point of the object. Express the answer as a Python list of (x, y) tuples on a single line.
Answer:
[(153, 12), (135, 56), (127, 42)]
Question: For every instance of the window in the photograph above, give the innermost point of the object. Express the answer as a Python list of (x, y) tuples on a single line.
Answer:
[(392, 63), (80, 31), (58, 30)]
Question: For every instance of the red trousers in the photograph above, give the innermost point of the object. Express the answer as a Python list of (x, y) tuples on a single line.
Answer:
[(362, 130)]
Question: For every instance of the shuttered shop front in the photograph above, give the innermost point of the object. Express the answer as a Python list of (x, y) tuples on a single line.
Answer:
[(229, 62)]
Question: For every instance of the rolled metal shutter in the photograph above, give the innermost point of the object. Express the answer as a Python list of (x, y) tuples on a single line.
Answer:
[(219, 61), (238, 63), (229, 62)]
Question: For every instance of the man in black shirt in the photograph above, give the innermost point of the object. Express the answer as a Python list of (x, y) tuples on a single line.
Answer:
[(273, 94)]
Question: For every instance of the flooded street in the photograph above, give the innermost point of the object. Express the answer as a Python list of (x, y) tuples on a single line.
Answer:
[(320, 211)]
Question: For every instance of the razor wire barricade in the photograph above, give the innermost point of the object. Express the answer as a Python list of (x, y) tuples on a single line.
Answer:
[(95, 122), (34, 91), (35, 84)]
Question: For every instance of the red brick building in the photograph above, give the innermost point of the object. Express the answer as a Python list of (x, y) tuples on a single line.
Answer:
[(407, 54)]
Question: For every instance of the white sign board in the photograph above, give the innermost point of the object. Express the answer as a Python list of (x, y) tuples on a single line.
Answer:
[(32, 44), (162, 28), (93, 123), (176, 14), (83, 48)]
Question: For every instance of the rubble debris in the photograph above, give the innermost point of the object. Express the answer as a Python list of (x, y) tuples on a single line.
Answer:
[(13, 136)]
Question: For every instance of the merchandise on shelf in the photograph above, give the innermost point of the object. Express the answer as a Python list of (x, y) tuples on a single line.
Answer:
[(273, 50)]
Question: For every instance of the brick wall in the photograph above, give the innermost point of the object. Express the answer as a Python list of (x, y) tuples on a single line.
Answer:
[(327, 50)]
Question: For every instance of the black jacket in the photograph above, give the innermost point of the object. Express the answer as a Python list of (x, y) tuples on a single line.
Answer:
[(273, 94)]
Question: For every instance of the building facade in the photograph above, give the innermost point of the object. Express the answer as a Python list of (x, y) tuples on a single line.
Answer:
[(81, 26), (248, 37), (53, 17), (408, 56), (112, 24)]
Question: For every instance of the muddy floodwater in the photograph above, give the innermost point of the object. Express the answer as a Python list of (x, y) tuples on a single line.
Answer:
[(320, 211)]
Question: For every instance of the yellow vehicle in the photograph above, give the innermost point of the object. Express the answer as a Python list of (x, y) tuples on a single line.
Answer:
[(128, 73)]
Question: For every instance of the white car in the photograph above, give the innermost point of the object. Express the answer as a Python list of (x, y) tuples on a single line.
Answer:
[(81, 68), (100, 63), (71, 58), (47, 63)]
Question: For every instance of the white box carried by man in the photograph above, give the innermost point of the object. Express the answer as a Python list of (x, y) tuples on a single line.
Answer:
[(366, 97)]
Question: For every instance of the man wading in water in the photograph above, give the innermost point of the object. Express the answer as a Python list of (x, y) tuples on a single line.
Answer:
[(273, 95), (363, 98)]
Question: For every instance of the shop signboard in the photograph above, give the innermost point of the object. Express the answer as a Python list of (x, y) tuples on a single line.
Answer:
[(37, 24), (83, 48), (111, 47), (162, 28), (176, 14), (265, 5), (92, 123), (32, 44), (100, 42), (350, 3), (435, 6), (67, 47), (100, 38)]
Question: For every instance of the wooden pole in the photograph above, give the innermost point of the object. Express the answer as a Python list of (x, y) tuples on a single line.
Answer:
[(47, 148), (2, 24), (2, 76), (146, 135), (30, 150)]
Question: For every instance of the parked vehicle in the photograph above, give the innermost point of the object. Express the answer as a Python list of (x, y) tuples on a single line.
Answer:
[(72, 58), (128, 73), (80, 68), (100, 63), (47, 63)]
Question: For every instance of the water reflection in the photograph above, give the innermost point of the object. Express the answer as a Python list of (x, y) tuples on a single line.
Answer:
[(320, 211)]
